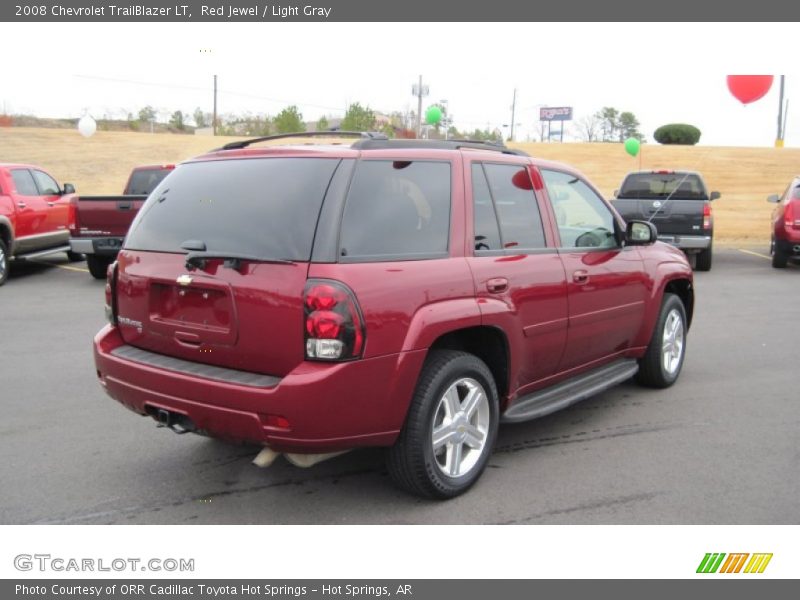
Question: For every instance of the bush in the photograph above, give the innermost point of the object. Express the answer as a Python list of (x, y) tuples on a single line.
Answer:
[(677, 133)]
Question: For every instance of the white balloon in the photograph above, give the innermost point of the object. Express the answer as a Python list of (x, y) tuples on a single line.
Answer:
[(87, 126)]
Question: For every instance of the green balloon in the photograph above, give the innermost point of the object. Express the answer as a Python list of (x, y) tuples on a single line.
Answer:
[(433, 115), (632, 146)]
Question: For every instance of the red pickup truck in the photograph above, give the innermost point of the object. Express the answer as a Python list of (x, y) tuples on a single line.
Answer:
[(101, 222), (34, 215)]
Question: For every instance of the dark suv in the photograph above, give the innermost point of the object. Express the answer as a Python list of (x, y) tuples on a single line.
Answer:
[(400, 293)]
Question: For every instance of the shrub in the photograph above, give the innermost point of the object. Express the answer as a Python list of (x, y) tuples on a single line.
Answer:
[(677, 133)]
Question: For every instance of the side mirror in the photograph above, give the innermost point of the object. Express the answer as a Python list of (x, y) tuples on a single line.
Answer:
[(68, 189), (616, 193), (714, 195), (640, 233), (773, 198)]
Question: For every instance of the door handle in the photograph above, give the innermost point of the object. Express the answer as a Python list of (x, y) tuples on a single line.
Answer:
[(580, 277), (51, 204), (21, 204), (497, 285)]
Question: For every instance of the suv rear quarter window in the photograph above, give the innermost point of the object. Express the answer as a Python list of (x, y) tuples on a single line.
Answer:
[(396, 210)]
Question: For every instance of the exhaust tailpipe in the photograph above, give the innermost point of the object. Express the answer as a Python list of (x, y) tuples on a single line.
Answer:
[(796, 249), (267, 456)]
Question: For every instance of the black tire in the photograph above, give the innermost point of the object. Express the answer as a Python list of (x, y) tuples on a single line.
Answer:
[(413, 463), (653, 372), (703, 260), (75, 256), (779, 259), (4, 262), (98, 265)]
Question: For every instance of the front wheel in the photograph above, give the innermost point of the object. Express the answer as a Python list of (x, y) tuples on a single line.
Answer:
[(3, 262), (451, 427), (98, 265), (662, 363)]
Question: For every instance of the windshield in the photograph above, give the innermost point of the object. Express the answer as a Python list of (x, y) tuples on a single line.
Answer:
[(653, 186), (263, 207)]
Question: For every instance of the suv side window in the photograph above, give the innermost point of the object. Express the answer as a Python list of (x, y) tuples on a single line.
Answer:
[(46, 184), (397, 210), (24, 183), (508, 195), (584, 220)]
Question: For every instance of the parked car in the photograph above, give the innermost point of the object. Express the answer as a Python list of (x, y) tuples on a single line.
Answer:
[(34, 215), (785, 242), (678, 203), (403, 293), (101, 222)]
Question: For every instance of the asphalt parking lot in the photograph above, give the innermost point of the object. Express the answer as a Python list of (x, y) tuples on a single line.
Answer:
[(719, 447)]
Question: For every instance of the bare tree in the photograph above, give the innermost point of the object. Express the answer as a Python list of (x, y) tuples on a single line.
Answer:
[(588, 128)]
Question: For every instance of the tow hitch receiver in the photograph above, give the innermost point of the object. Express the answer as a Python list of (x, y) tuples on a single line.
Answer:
[(176, 422)]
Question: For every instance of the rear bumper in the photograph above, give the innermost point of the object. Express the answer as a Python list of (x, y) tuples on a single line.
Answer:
[(329, 406), (103, 246), (687, 242), (788, 247)]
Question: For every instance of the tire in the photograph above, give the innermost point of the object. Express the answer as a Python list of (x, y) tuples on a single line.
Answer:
[(4, 262), (75, 256), (438, 409), (703, 260), (98, 265), (661, 365), (779, 259)]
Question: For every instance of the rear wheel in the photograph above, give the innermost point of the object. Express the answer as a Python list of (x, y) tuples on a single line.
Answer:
[(779, 259), (3, 262), (451, 427), (703, 260), (662, 363), (98, 265)]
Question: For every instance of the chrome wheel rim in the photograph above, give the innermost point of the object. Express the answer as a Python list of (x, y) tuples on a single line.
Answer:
[(460, 428), (2, 262), (672, 342)]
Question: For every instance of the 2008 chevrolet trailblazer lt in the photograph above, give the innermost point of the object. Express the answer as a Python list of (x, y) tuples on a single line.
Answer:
[(403, 293)]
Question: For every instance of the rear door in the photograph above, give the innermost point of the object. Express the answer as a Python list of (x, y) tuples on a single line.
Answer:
[(57, 208), (31, 211), (246, 316), (519, 277), (607, 284)]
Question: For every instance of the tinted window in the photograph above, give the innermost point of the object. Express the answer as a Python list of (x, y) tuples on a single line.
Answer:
[(397, 209), (144, 181), (46, 184), (651, 186), (23, 181), (266, 207), (583, 218), (487, 234), (517, 211)]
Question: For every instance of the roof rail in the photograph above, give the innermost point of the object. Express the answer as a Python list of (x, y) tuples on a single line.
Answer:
[(385, 143), (367, 135)]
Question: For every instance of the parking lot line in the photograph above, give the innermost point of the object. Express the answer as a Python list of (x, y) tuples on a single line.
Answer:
[(755, 253), (38, 262)]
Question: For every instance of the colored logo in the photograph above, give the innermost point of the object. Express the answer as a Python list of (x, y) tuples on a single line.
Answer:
[(719, 562)]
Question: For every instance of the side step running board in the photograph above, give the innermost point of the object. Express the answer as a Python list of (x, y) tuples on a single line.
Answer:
[(544, 402), (41, 253)]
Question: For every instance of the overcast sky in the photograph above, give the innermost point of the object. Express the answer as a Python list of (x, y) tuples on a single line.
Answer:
[(662, 72)]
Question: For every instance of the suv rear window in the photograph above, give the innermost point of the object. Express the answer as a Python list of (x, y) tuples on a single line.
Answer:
[(397, 210), (652, 186), (264, 207)]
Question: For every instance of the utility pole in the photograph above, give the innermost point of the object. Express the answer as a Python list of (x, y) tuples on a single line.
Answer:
[(214, 119), (779, 137), (513, 111), (419, 91)]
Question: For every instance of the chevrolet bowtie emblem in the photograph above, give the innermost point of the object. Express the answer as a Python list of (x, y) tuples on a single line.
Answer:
[(184, 280)]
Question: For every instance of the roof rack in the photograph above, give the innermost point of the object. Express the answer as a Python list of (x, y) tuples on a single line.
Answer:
[(385, 143), (366, 135)]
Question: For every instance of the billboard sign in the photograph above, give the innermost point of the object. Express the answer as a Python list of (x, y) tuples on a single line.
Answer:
[(555, 113)]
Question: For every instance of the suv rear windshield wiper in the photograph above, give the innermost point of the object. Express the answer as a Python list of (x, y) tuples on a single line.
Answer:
[(232, 260)]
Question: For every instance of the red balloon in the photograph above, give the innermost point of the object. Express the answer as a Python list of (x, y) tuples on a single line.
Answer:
[(749, 88)]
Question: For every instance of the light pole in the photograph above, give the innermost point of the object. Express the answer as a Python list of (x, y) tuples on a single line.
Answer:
[(446, 118)]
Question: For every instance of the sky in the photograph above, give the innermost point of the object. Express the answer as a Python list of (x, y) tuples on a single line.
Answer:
[(662, 72)]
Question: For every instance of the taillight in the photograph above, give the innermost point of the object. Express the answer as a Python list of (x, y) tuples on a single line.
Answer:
[(334, 327), (788, 216), (706, 216), (111, 293)]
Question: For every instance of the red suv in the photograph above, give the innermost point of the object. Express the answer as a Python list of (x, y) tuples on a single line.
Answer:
[(786, 225), (402, 293)]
